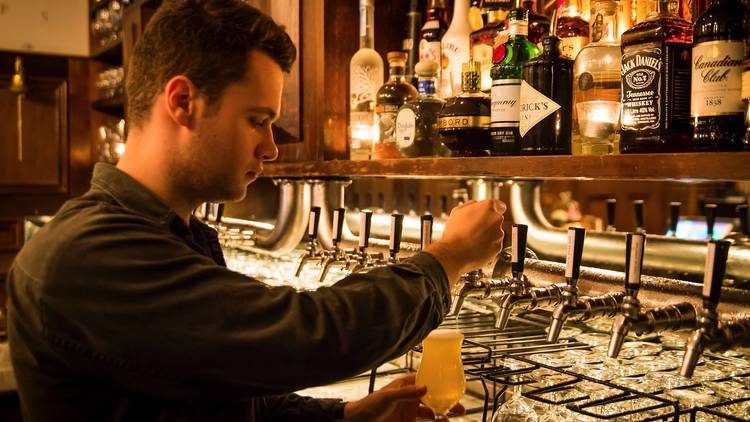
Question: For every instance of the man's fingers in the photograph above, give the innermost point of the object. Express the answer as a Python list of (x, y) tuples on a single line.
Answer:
[(409, 392), (458, 409), (399, 382)]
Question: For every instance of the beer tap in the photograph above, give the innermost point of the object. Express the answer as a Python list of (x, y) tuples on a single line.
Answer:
[(583, 307), (632, 318), (741, 236), (611, 204), (638, 206), (674, 217), (397, 224), (518, 284), (313, 251), (708, 333), (443, 207), (337, 257), (366, 260), (425, 232), (710, 210)]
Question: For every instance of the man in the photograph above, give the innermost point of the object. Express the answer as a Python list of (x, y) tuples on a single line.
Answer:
[(121, 308)]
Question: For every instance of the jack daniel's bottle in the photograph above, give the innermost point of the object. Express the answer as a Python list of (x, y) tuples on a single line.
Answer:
[(656, 82)]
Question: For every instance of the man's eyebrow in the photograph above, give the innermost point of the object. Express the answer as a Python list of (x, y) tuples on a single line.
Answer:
[(265, 110)]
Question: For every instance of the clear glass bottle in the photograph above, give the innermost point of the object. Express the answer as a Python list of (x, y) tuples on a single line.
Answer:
[(464, 122), (455, 49), (475, 15), (432, 33), (572, 30), (656, 82), (483, 40), (416, 122), (365, 77), (506, 84), (596, 86), (410, 43), (716, 108), (390, 97)]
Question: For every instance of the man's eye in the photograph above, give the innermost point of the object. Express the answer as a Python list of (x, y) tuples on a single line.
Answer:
[(257, 123)]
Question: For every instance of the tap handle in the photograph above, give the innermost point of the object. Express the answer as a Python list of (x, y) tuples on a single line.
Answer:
[(206, 210), (444, 205), (381, 200), (338, 224), (519, 232), (611, 204), (428, 204), (710, 210), (634, 248), (576, 235), (426, 231), (397, 224), (638, 205), (716, 265), (674, 216), (365, 222), (742, 214), (219, 213), (313, 223)]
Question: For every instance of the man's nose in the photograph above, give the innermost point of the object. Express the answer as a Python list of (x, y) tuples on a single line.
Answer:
[(268, 149)]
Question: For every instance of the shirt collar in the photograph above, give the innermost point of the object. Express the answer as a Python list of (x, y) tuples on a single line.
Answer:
[(128, 192)]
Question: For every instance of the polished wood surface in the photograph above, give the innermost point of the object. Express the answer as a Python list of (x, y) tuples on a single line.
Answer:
[(704, 166)]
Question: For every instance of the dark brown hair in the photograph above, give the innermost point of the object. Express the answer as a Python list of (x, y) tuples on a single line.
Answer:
[(206, 40)]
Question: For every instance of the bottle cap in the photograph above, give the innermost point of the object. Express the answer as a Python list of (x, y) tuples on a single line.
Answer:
[(470, 67), (426, 68), (396, 56)]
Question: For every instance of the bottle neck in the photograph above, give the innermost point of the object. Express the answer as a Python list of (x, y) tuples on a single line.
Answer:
[(470, 82), (426, 86), (460, 11), (604, 21), (495, 16), (436, 14), (666, 9), (518, 25), (396, 72), (569, 8), (366, 26)]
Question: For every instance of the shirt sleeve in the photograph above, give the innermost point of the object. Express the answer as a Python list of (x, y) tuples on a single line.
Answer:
[(125, 299), (295, 408)]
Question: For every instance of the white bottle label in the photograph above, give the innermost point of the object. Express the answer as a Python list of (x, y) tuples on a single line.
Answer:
[(431, 50), (455, 52), (505, 97), (534, 107), (717, 78), (406, 123)]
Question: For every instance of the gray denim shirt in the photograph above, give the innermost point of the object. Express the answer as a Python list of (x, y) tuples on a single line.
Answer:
[(118, 310)]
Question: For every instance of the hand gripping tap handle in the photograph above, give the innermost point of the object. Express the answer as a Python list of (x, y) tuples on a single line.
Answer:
[(519, 232), (397, 224), (674, 216), (576, 235), (426, 231), (638, 205), (634, 248), (710, 220), (365, 222), (716, 266), (338, 225), (742, 214), (611, 205), (313, 223)]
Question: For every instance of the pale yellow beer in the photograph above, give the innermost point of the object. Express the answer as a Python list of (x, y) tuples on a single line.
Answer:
[(442, 371)]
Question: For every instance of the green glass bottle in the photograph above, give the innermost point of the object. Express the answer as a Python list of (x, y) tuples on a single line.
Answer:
[(507, 73)]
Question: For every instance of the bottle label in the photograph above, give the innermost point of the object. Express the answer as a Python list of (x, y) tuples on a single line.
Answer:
[(746, 84), (430, 50), (641, 93), (362, 87), (386, 115), (505, 97), (455, 52), (571, 46), (460, 122), (518, 28), (426, 86), (717, 78), (534, 107), (406, 127)]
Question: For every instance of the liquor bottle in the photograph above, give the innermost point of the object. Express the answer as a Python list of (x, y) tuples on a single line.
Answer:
[(390, 97), (586, 10), (506, 84), (572, 30), (538, 24), (656, 82), (482, 42), (624, 16), (464, 122), (746, 78), (716, 107), (411, 40), (416, 122), (455, 49), (475, 15), (365, 77), (431, 34), (546, 102), (596, 85)]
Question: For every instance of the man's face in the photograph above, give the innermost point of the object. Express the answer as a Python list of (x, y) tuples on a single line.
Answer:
[(234, 137)]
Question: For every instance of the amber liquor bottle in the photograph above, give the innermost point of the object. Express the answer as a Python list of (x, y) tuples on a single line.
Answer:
[(716, 108), (538, 23), (656, 82), (572, 30), (464, 122), (390, 97)]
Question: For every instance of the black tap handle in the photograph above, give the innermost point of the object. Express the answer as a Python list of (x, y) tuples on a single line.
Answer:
[(428, 204), (634, 248), (716, 266), (611, 204), (576, 235), (368, 200), (443, 204), (219, 213), (412, 202), (710, 210), (674, 216), (355, 200), (638, 205), (426, 231), (365, 222), (397, 224), (518, 245), (313, 223), (381, 200), (338, 224), (742, 214)]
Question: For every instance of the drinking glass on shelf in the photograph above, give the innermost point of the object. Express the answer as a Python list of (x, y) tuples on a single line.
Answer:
[(516, 409), (441, 370)]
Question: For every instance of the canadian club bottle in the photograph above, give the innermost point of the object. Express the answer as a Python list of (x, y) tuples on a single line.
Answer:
[(547, 102), (656, 82), (716, 108), (464, 122)]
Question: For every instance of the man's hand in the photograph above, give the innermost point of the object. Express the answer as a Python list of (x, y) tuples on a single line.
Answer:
[(472, 237), (396, 402)]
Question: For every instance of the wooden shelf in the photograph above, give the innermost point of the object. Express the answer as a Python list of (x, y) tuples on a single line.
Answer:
[(109, 53), (682, 166), (114, 106)]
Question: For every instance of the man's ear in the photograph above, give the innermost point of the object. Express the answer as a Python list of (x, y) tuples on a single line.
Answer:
[(181, 96)]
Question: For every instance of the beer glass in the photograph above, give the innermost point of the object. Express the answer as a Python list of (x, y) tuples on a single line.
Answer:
[(441, 370)]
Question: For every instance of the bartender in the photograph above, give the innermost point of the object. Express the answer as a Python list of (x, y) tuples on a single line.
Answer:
[(122, 308)]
